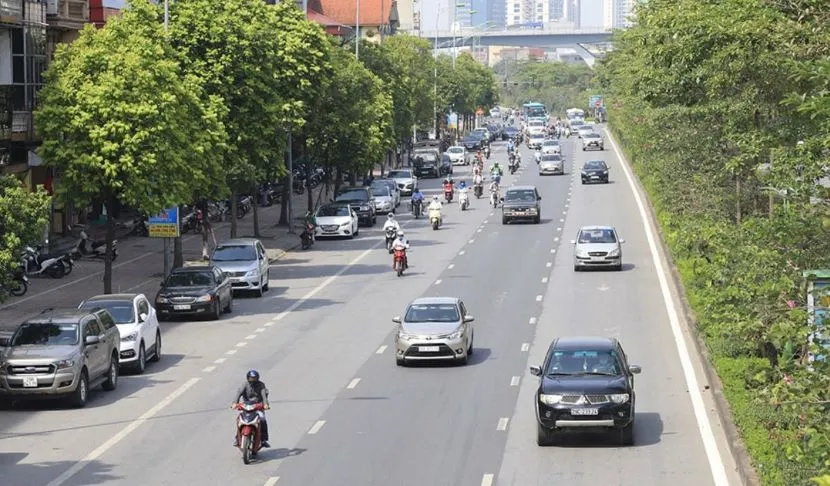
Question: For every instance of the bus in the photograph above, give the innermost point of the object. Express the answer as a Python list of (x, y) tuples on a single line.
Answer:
[(533, 110)]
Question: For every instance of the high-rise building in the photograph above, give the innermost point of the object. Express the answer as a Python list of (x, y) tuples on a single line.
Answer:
[(557, 10), (463, 14), (524, 11), (618, 13)]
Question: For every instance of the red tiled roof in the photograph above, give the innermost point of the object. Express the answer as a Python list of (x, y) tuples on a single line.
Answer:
[(372, 12), (322, 19)]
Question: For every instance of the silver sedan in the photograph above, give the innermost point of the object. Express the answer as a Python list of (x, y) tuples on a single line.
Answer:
[(597, 246), (434, 328)]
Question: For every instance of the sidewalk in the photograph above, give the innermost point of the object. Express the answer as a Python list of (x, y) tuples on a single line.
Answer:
[(140, 264)]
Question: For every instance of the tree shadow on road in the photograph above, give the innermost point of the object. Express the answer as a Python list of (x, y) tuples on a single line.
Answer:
[(22, 474)]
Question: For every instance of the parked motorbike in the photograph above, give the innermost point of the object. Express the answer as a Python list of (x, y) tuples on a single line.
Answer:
[(65, 258), (248, 429), (435, 218), (391, 234), (244, 205), (307, 236), (94, 249), (399, 262), (20, 283), (464, 200), (269, 193), (33, 264)]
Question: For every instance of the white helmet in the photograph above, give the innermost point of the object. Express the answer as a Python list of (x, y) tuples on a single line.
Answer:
[(400, 233), (390, 216), (435, 198)]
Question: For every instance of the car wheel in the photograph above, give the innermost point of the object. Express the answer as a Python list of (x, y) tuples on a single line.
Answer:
[(583, 183), (618, 268), (214, 316), (112, 375), (538, 219), (627, 434), (156, 349), (81, 393), (357, 229), (141, 362), (544, 436), (576, 268), (258, 292), (229, 308), (400, 361), (470, 347), (267, 281)]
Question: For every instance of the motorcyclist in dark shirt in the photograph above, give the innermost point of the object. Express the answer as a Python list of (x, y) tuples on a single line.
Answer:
[(253, 391)]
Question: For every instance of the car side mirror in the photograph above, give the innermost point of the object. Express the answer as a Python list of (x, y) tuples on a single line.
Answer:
[(396, 319), (573, 242), (501, 199), (538, 198), (622, 240), (142, 317), (635, 369), (4, 342), (536, 370), (469, 318), (92, 340)]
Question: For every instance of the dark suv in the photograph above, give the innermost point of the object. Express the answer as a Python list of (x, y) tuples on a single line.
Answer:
[(585, 383), (521, 203), (362, 201), (61, 354)]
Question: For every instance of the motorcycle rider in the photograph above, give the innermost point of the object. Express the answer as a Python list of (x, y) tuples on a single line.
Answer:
[(401, 243), (496, 172), (417, 195), (253, 391), (494, 189), (463, 192), (436, 205), (510, 146), (448, 186), (391, 222)]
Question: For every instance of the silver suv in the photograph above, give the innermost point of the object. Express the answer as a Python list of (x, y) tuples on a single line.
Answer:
[(60, 354)]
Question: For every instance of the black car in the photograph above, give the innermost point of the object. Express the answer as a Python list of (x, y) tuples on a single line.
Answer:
[(595, 171), (362, 201), (585, 383), (471, 142), (521, 203), (510, 133), (426, 164), (202, 290)]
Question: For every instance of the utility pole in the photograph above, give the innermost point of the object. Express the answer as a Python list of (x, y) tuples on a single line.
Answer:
[(290, 182), (357, 31)]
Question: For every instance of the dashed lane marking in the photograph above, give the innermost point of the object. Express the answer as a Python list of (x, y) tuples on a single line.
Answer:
[(452, 265), (250, 337), (438, 282), (353, 384), (271, 481), (241, 344), (502, 424), (220, 360), (208, 369), (231, 351), (487, 480), (544, 280), (549, 264), (316, 427), (381, 349), (515, 381), (532, 321), (259, 329), (525, 347)]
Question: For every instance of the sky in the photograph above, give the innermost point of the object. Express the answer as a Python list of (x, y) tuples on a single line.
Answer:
[(114, 3)]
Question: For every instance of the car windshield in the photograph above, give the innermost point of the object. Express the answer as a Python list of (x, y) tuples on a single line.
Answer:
[(591, 135), (523, 195), (332, 211), (551, 158), (432, 313), (456, 150), (353, 195), (595, 165), (425, 157), (122, 311), (45, 334), (603, 235), (189, 279), (584, 362), (234, 253), (551, 143), (400, 174)]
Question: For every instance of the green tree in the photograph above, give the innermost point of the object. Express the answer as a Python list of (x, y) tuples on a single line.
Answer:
[(24, 215), (557, 85), (121, 121), (466, 87)]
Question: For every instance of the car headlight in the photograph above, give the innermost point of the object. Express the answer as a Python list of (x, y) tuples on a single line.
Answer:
[(582, 253), (130, 337), (347, 223), (204, 298), (614, 253), (364, 208), (161, 300), (584, 172), (64, 363), (619, 397), (251, 273), (605, 172), (550, 399), (405, 336), (456, 335)]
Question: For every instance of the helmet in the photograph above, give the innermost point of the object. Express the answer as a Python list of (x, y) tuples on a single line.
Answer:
[(252, 374), (434, 198), (390, 216), (400, 233)]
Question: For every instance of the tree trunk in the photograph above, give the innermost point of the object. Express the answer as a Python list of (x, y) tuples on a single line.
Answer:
[(308, 192), (109, 205), (255, 211), (338, 180), (234, 205), (286, 193), (178, 257)]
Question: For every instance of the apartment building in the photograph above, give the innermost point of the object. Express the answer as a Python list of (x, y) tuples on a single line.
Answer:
[(618, 13)]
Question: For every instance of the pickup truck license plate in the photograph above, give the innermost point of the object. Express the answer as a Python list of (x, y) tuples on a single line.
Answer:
[(181, 307), (428, 349), (594, 177), (584, 411), (29, 382)]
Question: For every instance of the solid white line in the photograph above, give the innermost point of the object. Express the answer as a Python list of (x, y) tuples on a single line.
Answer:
[(269, 324), (231, 351), (461, 252), (487, 480), (259, 329), (471, 241), (316, 427), (549, 264), (209, 369), (121, 435), (544, 280), (381, 349), (250, 336), (271, 481), (515, 381), (220, 360), (532, 321), (452, 265), (438, 282), (502, 423), (525, 346), (241, 344), (704, 426), (353, 384)]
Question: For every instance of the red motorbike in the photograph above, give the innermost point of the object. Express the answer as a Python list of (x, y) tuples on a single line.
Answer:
[(399, 262), (248, 430), (448, 191)]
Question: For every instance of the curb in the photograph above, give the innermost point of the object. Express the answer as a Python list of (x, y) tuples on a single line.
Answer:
[(745, 470)]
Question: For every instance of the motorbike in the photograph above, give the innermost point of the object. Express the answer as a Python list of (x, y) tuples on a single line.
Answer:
[(243, 205), (391, 234), (494, 199), (269, 193), (248, 429), (19, 283), (307, 236), (34, 264), (478, 190), (435, 218), (464, 200), (95, 249), (487, 151), (513, 166), (65, 258), (399, 262), (448, 195), (417, 208)]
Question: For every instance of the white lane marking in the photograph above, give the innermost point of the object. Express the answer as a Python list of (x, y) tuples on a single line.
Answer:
[(492, 213), (452, 265), (544, 280), (209, 369), (532, 321), (558, 229), (123, 433), (438, 282), (461, 252), (271, 481), (478, 230), (471, 241), (502, 423), (269, 324), (231, 351), (259, 329), (515, 381), (250, 336), (556, 239), (381, 349), (220, 360), (316, 427), (353, 384), (241, 344), (549, 264), (487, 480), (553, 250), (704, 426), (525, 347)]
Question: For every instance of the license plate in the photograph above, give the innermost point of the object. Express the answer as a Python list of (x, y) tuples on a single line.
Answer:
[(429, 349), (584, 411), (29, 382), (594, 177), (181, 307)]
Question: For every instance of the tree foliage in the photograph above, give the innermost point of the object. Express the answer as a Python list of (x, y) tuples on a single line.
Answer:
[(466, 87), (723, 108), (557, 85), (23, 218)]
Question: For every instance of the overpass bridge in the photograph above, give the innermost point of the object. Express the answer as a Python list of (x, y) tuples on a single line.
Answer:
[(570, 37)]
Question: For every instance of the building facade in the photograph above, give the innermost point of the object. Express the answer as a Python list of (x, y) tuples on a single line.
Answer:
[(492, 13), (619, 13)]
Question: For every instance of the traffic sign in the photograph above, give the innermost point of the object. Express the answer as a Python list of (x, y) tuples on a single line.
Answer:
[(598, 103), (164, 225)]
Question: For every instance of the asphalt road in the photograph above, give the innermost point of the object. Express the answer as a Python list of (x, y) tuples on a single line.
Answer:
[(344, 414)]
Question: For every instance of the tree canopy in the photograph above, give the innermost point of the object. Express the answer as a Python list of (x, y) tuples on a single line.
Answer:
[(23, 218)]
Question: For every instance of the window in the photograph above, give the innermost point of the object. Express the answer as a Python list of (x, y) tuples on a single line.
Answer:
[(91, 328), (516, 9), (577, 362), (106, 319), (600, 236), (432, 313), (120, 310), (143, 307), (234, 253), (190, 279)]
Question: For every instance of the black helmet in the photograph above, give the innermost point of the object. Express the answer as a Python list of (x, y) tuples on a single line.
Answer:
[(253, 374)]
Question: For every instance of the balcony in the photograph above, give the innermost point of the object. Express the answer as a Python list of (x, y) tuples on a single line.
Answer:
[(22, 127), (67, 14), (11, 11)]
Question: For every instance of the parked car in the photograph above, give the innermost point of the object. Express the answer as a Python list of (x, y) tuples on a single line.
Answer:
[(137, 325), (337, 219), (60, 354), (597, 246), (246, 263), (393, 189), (521, 203), (203, 290), (585, 383), (362, 200), (405, 180), (434, 328)]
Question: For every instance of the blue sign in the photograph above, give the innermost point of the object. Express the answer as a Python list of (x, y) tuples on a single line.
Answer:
[(165, 225), (452, 121), (595, 101)]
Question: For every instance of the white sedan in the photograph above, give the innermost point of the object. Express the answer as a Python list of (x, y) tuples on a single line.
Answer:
[(336, 220), (137, 324), (457, 155)]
